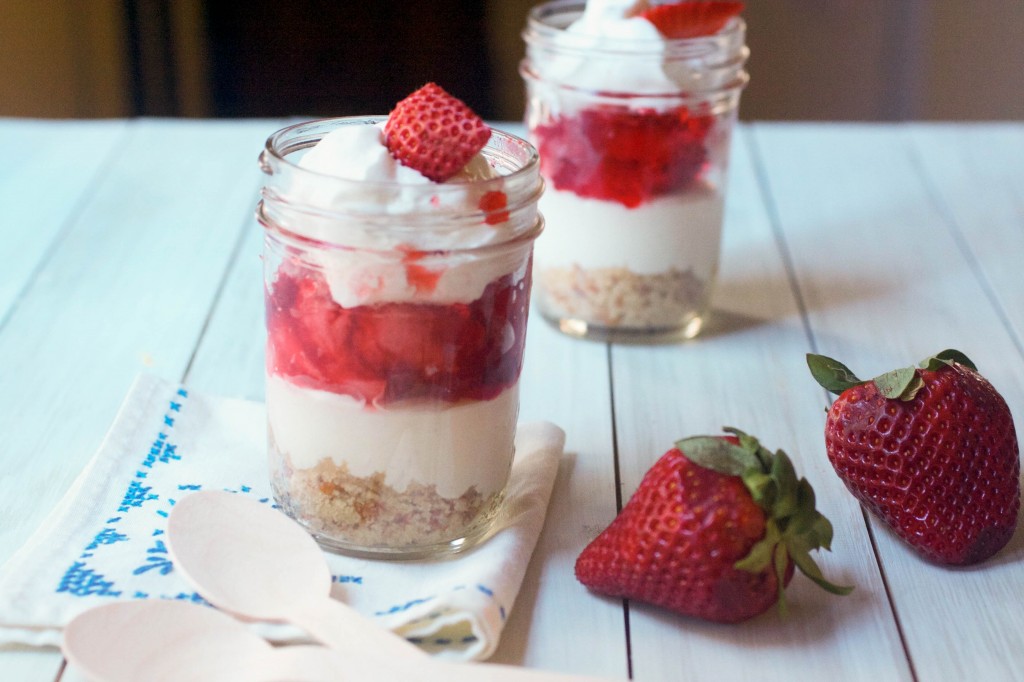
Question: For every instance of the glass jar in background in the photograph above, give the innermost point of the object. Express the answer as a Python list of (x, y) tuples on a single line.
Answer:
[(634, 142), (396, 320)]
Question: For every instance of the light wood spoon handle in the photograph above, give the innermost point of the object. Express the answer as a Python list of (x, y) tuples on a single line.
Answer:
[(344, 629)]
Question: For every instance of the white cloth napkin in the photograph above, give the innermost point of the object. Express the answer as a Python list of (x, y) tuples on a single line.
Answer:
[(104, 541)]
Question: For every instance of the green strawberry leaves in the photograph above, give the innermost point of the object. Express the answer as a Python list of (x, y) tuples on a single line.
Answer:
[(901, 384), (947, 357), (761, 553), (712, 452), (793, 525), (833, 375), (898, 384)]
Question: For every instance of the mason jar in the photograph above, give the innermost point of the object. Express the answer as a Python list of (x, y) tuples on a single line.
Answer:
[(634, 140), (396, 320)]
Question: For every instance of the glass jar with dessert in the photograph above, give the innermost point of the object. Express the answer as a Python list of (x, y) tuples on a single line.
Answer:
[(631, 106), (397, 281)]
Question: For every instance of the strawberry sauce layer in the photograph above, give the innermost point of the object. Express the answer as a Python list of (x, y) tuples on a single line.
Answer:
[(389, 352), (624, 155)]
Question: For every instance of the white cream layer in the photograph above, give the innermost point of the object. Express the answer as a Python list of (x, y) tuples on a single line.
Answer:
[(681, 231), (452, 447)]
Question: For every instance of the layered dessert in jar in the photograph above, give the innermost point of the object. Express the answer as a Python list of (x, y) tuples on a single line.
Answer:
[(398, 274), (631, 106)]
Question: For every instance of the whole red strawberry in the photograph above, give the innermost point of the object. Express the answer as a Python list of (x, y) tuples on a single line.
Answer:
[(434, 133), (691, 18), (713, 531), (931, 450)]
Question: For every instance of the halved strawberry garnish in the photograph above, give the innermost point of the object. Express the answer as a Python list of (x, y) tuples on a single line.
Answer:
[(691, 18), (434, 133)]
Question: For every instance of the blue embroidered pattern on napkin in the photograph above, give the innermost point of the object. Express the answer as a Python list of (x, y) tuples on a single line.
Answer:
[(83, 577)]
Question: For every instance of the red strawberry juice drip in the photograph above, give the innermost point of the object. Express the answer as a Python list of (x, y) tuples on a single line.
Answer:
[(422, 278), (396, 351), (493, 202), (624, 155)]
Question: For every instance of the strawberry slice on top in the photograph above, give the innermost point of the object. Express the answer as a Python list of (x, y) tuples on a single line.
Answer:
[(691, 18), (434, 133)]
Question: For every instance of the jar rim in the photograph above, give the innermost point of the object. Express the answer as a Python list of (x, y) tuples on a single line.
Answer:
[(539, 28), (278, 147), (334, 209)]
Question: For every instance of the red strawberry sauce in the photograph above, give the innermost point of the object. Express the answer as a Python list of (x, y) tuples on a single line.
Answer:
[(624, 155), (389, 352)]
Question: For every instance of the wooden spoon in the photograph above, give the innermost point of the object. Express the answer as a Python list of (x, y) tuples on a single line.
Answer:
[(253, 561), (160, 640)]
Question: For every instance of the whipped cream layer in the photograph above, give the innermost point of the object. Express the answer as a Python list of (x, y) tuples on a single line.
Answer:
[(384, 216), (451, 447), (382, 184), (610, 49), (681, 231), (602, 24)]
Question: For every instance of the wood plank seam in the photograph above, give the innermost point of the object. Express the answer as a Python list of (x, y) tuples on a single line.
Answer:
[(949, 220), (65, 228), (618, 497), (764, 186), (230, 265), (889, 593), (748, 135)]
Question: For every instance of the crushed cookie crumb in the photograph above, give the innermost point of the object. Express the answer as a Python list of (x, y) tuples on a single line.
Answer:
[(364, 510), (620, 298)]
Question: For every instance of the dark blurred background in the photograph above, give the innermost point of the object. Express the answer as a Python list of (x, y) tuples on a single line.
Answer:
[(811, 59)]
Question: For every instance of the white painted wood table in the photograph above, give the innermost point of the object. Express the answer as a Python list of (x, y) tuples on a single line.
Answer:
[(130, 246)]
